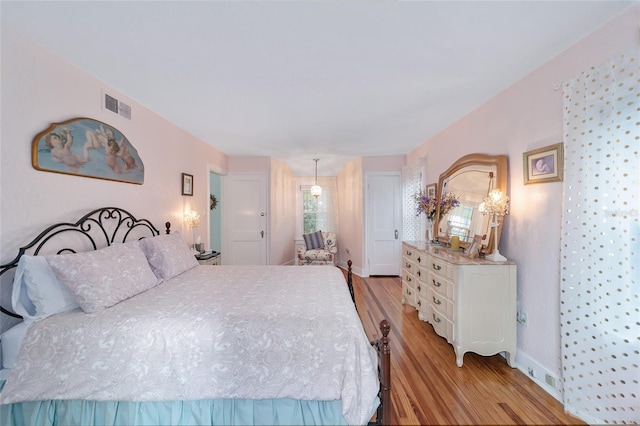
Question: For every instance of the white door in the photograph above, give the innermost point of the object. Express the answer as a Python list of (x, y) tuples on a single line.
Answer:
[(384, 223), (245, 219)]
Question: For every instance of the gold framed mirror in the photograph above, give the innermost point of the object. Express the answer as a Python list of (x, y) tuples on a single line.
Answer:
[(471, 178)]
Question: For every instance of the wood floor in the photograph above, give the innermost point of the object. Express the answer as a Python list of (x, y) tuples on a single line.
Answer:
[(427, 386)]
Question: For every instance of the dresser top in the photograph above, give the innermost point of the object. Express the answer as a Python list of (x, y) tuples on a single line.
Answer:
[(456, 257)]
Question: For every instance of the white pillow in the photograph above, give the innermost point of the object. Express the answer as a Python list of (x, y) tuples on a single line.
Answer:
[(168, 255), (100, 279), (37, 293), (11, 340)]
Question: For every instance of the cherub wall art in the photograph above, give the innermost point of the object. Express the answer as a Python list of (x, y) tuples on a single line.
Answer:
[(87, 147)]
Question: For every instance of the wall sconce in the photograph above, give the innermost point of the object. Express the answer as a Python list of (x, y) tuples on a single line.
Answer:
[(497, 204), (316, 190)]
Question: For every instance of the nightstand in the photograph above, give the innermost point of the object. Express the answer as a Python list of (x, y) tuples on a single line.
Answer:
[(211, 258)]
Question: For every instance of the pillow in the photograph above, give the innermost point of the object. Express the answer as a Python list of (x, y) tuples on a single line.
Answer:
[(100, 279), (10, 341), (313, 240), (168, 255), (37, 293)]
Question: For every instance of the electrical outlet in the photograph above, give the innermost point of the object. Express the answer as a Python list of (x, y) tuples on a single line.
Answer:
[(521, 317), (551, 381), (531, 372)]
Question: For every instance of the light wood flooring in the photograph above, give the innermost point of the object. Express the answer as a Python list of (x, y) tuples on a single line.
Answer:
[(427, 386)]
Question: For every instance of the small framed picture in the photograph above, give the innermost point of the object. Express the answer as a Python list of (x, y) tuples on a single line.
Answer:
[(431, 190), (544, 164), (474, 248), (187, 184)]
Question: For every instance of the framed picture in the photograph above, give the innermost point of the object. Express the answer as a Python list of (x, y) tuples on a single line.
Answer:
[(431, 190), (474, 248), (88, 148), (544, 164), (187, 184)]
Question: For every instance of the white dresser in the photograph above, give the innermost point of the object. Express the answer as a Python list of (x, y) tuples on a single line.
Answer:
[(469, 302)]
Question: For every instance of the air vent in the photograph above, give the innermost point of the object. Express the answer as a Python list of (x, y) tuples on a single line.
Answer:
[(111, 103), (114, 105), (125, 110)]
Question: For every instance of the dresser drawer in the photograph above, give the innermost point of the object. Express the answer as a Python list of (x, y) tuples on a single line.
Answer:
[(444, 306), (410, 252), (441, 325), (441, 285), (440, 267), (422, 289), (409, 279), (422, 274), (409, 294), (409, 265)]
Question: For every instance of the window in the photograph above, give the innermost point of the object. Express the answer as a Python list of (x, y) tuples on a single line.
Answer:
[(311, 208), (317, 214), (460, 221)]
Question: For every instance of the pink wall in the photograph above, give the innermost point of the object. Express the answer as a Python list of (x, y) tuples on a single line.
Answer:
[(282, 210), (383, 163), (38, 89), (351, 215), (526, 116)]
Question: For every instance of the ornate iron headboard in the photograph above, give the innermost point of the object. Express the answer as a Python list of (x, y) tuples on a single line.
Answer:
[(97, 229)]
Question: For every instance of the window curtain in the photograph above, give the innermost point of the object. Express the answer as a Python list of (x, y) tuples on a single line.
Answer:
[(327, 213), (411, 184), (600, 260)]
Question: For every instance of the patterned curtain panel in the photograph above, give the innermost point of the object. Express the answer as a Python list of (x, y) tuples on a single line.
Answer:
[(411, 183), (600, 254), (327, 212)]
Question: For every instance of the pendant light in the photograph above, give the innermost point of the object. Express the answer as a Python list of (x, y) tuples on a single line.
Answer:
[(316, 190)]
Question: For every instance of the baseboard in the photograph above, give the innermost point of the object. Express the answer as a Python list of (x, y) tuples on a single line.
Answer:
[(544, 378)]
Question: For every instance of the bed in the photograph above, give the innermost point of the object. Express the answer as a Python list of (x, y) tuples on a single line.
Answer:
[(135, 331)]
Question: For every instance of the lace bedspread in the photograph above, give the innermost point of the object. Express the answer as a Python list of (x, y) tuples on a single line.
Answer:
[(250, 332)]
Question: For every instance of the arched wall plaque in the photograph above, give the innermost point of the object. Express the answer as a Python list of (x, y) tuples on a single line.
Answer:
[(89, 148)]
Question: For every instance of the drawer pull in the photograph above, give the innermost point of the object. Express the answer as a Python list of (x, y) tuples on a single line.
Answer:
[(418, 288), (408, 253), (436, 319), (418, 273), (407, 265), (409, 292), (419, 303), (408, 279), (436, 301), (436, 267), (418, 259), (437, 283)]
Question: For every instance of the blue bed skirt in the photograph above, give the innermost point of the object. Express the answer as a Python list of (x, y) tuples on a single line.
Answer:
[(202, 412)]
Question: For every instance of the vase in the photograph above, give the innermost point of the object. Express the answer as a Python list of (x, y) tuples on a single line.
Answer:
[(428, 235)]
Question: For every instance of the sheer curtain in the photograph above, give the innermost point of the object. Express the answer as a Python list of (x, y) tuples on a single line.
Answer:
[(600, 256), (327, 213), (411, 184)]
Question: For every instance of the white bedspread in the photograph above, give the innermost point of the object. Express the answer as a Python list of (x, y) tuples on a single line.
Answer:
[(249, 332)]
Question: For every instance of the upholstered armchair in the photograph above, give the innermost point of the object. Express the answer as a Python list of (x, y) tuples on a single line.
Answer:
[(323, 255)]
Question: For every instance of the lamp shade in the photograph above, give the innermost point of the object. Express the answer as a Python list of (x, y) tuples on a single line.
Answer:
[(316, 190), (192, 218)]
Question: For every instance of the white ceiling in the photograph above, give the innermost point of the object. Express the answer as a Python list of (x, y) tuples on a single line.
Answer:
[(332, 80)]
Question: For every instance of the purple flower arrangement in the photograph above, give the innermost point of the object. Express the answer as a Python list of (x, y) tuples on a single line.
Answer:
[(428, 205)]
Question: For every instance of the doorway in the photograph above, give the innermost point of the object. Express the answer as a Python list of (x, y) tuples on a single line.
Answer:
[(383, 223), (215, 216)]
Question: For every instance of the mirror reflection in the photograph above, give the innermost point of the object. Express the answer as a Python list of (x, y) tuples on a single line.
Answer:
[(471, 185), (471, 178)]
